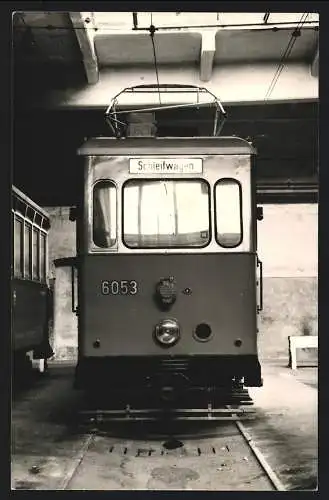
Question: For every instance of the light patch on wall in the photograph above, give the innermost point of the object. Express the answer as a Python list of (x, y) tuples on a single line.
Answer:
[(62, 236), (288, 240)]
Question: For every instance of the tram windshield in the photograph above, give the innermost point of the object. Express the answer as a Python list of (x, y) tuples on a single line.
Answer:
[(166, 213)]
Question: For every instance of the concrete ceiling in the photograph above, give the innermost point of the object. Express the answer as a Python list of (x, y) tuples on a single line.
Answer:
[(46, 53), (264, 45), (180, 19), (57, 50), (68, 39), (136, 48), (45, 37), (231, 46)]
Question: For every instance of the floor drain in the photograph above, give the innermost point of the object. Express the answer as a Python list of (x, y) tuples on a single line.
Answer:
[(173, 444)]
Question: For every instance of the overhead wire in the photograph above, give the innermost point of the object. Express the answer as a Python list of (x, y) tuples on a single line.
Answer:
[(152, 31), (286, 54)]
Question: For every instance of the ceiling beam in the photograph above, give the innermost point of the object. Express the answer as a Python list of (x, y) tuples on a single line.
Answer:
[(315, 64), (86, 44), (208, 49)]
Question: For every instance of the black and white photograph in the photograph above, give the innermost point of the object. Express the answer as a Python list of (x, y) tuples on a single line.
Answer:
[(164, 263)]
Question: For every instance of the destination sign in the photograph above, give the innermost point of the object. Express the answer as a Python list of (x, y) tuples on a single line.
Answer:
[(165, 166)]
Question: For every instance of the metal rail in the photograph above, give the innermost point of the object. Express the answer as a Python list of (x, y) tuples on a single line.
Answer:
[(271, 475), (278, 485), (76, 462), (149, 415), (228, 412), (237, 401)]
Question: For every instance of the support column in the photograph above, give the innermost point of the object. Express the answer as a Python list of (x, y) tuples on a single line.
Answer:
[(85, 40), (208, 49)]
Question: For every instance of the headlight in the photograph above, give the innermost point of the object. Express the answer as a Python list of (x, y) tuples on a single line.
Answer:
[(167, 332)]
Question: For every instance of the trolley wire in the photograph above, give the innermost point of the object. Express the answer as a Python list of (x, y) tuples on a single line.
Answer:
[(152, 31), (295, 34), (97, 26)]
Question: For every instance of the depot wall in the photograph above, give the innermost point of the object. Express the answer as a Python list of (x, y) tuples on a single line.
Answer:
[(287, 246)]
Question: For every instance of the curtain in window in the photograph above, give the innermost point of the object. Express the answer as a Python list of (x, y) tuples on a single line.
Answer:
[(228, 213), (104, 214), (166, 213)]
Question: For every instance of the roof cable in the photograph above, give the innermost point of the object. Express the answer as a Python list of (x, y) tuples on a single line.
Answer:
[(295, 34), (152, 31)]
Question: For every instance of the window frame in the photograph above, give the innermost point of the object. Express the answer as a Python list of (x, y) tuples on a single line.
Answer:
[(150, 248), (96, 248), (238, 183), (43, 278), (36, 231), (26, 222), (28, 274), (20, 218)]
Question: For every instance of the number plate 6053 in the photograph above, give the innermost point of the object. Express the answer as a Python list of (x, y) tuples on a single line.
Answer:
[(123, 287)]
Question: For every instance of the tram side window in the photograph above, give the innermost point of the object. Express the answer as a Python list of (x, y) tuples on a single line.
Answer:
[(18, 247), (43, 250), (104, 214), (28, 251), (36, 247), (228, 205)]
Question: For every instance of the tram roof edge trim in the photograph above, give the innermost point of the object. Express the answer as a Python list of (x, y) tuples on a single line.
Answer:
[(165, 145), (30, 202)]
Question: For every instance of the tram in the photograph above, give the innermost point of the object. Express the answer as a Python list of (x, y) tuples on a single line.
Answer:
[(169, 281), (31, 297)]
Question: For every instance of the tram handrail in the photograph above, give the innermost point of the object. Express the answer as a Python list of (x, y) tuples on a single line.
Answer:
[(260, 265)]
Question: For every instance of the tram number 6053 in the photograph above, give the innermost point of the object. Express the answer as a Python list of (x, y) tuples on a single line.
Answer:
[(123, 287)]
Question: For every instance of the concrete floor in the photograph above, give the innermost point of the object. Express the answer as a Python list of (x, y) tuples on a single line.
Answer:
[(46, 443), (287, 424)]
